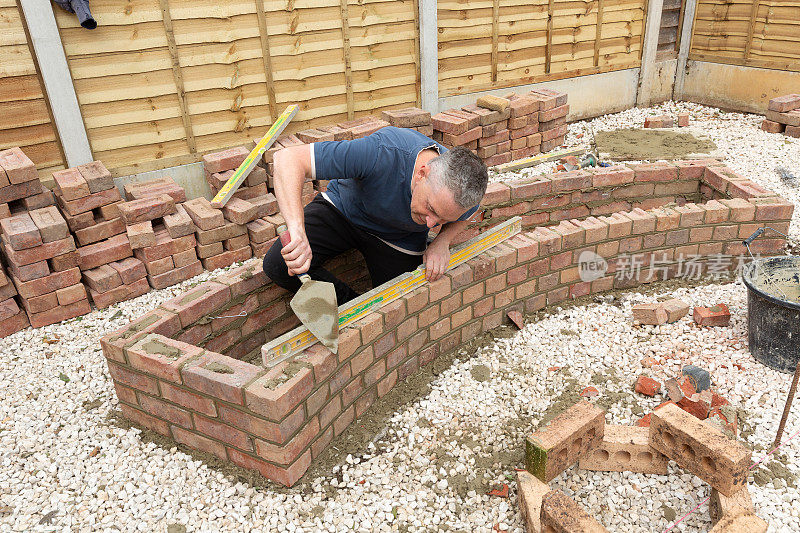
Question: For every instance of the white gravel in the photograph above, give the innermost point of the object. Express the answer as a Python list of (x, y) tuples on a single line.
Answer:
[(65, 466)]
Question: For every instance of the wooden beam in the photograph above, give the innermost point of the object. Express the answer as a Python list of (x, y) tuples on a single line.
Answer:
[(263, 33), (652, 28), (599, 33), (348, 69), (751, 28), (57, 81), (177, 75), (417, 65), (495, 36), (429, 55), (687, 29), (548, 49)]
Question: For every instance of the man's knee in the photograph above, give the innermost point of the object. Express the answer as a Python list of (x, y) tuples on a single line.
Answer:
[(275, 267)]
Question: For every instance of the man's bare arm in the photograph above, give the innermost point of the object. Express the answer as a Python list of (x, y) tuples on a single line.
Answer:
[(437, 255), (292, 168)]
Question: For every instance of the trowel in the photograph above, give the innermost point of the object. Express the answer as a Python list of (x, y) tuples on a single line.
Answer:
[(315, 304)]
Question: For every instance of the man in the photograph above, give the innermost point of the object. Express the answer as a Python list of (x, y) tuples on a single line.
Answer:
[(386, 191)]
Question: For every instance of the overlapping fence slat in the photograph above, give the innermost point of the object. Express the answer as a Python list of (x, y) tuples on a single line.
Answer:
[(535, 40), (757, 33), (25, 120), (161, 81)]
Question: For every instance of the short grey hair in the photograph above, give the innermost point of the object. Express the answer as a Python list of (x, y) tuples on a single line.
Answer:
[(463, 173)]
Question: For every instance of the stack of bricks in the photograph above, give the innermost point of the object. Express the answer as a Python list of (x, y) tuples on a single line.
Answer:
[(161, 235), (12, 318), (502, 129), (43, 265), (220, 166), (90, 201), (20, 187), (221, 241), (783, 115)]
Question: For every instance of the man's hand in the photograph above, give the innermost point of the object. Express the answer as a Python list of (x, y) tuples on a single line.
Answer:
[(297, 254), (436, 259)]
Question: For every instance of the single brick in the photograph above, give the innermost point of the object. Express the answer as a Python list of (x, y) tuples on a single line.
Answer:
[(561, 514), (141, 234), (102, 279), (225, 160), (240, 211), (20, 232), (155, 187), (202, 214), (675, 308), (70, 185), (555, 448), (198, 302), (179, 224), (771, 126), (18, 167), (625, 449), (650, 313), (58, 314), (782, 104), (700, 448), (70, 295), (408, 117), (718, 315), (647, 386), (130, 269), (530, 492), (51, 224), (280, 390), (161, 356), (87, 203), (721, 506), (104, 252), (495, 103), (148, 208), (97, 176), (178, 275), (220, 376)]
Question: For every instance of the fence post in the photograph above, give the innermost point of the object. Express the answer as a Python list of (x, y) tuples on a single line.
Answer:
[(429, 55), (683, 51), (57, 80), (652, 28)]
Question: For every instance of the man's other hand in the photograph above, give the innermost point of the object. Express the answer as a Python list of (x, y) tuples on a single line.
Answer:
[(297, 254), (436, 259)]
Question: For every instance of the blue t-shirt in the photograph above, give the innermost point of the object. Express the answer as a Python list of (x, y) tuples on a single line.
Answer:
[(371, 183)]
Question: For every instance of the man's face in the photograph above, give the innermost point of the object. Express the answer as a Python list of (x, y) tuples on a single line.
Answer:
[(432, 205)]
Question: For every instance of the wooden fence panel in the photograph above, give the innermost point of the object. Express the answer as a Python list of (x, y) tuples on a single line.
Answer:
[(160, 82), (758, 33), (501, 43), (26, 120)]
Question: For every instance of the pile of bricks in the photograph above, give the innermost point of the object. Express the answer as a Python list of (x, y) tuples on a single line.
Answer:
[(90, 202), (20, 187), (580, 435), (666, 121), (220, 241), (783, 115), (44, 266), (12, 318), (220, 166), (161, 234), (501, 129)]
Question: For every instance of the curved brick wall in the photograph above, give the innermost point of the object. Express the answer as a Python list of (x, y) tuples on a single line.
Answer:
[(181, 372)]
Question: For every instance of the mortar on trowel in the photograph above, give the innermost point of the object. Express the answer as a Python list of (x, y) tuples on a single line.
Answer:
[(315, 304)]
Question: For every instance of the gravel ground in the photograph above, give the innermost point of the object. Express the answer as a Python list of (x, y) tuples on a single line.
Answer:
[(66, 466)]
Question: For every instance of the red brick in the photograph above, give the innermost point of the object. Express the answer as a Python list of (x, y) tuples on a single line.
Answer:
[(18, 167), (718, 315), (70, 184), (50, 223), (87, 203), (286, 476), (274, 396), (647, 386), (219, 376), (104, 252), (132, 379), (225, 160), (143, 419), (198, 302), (70, 295), (97, 177), (288, 452), (19, 232)]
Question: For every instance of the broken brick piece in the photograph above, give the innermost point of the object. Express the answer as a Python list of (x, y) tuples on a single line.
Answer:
[(700, 448), (625, 449), (553, 449), (683, 120), (516, 318), (718, 315), (675, 308), (745, 521), (652, 314), (561, 513), (530, 492), (647, 386), (720, 506)]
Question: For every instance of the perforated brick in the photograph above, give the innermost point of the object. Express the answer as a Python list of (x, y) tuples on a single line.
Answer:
[(625, 449)]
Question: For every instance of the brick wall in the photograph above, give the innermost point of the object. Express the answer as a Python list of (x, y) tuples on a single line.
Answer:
[(278, 420)]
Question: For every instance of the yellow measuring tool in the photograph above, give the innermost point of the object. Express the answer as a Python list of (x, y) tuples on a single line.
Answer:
[(295, 341), (541, 158), (230, 187)]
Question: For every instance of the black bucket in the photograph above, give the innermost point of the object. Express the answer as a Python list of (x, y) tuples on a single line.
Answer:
[(773, 311)]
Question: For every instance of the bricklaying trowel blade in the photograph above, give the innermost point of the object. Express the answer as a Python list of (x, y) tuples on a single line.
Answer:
[(315, 306)]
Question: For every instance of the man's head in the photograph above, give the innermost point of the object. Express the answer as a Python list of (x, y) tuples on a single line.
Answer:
[(447, 186)]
